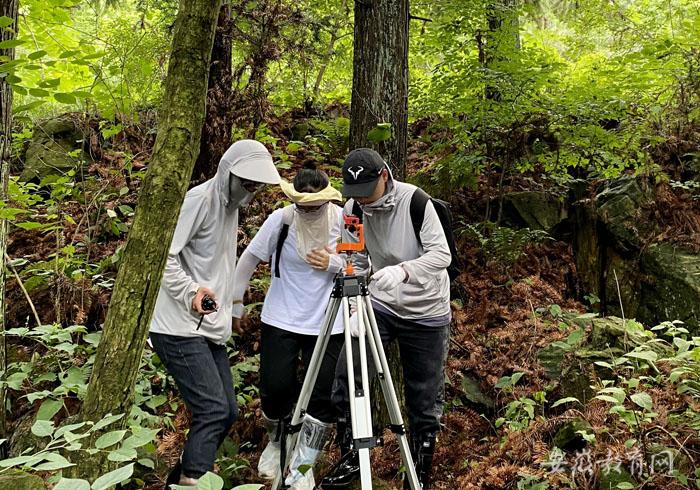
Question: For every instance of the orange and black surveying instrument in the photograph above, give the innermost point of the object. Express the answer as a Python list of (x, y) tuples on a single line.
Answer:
[(349, 286)]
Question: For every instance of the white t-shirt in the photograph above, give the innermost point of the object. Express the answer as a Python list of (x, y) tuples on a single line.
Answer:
[(297, 300)]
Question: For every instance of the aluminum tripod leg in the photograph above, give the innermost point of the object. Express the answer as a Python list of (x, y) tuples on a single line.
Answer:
[(307, 387), (392, 402)]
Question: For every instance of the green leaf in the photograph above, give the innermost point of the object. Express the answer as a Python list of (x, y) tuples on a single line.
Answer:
[(380, 133), (50, 83), (48, 409), (69, 53), (11, 43), (107, 420), (6, 21), (568, 399), (29, 225), (64, 98), (109, 439), (54, 462), (249, 486), (42, 428), (625, 485), (148, 463), (72, 484), (113, 477), (19, 461), (38, 92), (122, 454), (647, 355), (37, 54), (69, 428), (607, 398), (643, 400)]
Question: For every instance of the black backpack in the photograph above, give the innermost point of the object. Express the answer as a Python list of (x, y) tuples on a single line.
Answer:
[(419, 200)]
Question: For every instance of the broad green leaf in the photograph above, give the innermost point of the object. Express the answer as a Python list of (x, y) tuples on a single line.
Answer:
[(6, 21), (69, 428), (249, 486), (109, 439), (18, 461), (381, 132), (643, 400), (37, 54), (48, 409), (122, 455), (113, 477), (38, 92), (72, 484), (54, 461), (42, 428), (50, 83), (607, 398), (568, 399), (11, 43), (148, 463), (647, 355), (64, 98), (109, 419)]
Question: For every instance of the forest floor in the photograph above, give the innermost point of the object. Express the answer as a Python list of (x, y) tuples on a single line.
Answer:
[(498, 330)]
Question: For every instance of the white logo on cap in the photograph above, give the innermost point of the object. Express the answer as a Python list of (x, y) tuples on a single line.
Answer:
[(355, 173)]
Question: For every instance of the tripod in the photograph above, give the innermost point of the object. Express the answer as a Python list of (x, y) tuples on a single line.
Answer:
[(349, 286)]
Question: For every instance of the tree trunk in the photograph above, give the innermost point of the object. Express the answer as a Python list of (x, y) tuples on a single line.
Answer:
[(111, 387), (503, 38), (380, 78), (218, 123), (380, 95), (8, 8)]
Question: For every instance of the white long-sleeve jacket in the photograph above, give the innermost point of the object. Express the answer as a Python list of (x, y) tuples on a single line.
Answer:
[(203, 253)]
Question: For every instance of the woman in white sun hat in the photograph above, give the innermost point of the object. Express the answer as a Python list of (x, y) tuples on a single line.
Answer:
[(296, 240)]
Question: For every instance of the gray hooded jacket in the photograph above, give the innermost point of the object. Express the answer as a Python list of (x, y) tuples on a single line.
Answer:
[(390, 240), (203, 253)]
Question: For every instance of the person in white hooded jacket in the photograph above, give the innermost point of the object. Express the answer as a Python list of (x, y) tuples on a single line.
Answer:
[(188, 337), (410, 292), (296, 240)]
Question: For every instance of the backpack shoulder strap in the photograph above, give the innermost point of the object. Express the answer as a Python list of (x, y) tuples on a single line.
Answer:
[(419, 200), (287, 217), (356, 210)]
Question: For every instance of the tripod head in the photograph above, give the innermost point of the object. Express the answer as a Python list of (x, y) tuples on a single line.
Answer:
[(352, 224)]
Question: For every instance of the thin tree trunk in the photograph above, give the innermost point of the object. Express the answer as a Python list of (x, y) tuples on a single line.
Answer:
[(503, 38), (380, 78), (325, 61), (8, 8), (111, 387), (218, 123), (380, 94)]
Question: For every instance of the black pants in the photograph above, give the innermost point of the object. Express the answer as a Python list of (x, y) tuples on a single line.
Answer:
[(203, 375), (423, 351), (279, 382)]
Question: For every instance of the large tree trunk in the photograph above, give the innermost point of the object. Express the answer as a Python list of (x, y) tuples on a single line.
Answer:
[(218, 123), (111, 387), (380, 95), (8, 8), (380, 78)]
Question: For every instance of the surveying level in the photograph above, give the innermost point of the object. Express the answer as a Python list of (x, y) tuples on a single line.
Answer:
[(349, 286)]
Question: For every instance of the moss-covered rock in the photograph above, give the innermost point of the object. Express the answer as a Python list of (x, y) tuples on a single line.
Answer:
[(49, 152), (619, 208), (568, 437), (610, 478), (537, 210), (18, 480), (671, 287)]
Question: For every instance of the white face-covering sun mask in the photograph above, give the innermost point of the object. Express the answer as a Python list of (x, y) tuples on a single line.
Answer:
[(238, 196), (312, 229)]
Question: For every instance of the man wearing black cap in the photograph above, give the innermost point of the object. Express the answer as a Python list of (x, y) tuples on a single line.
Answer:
[(410, 291)]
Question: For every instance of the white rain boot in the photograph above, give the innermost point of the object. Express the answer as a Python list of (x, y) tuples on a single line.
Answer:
[(313, 436), (269, 463)]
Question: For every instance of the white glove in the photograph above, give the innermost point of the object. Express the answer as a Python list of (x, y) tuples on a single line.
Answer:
[(355, 325), (389, 277)]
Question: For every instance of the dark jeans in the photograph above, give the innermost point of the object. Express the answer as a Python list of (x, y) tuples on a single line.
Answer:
[(423, 351), (279, 383), (203, 375)]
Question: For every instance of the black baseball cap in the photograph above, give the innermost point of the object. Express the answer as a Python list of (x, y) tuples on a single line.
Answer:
[(361, 171)]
